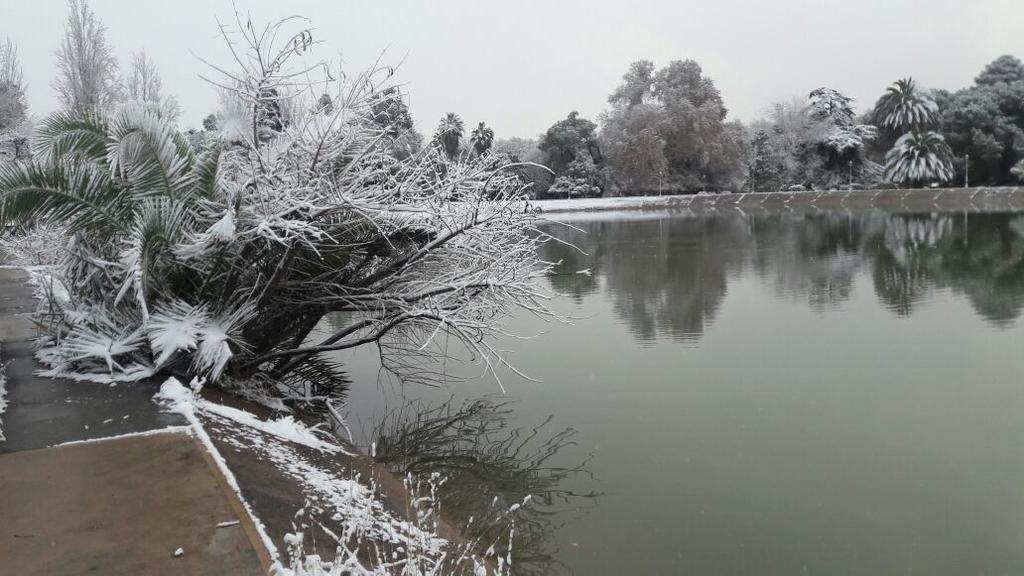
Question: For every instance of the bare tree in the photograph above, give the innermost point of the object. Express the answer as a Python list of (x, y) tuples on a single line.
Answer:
[(144, 84), (12, 89), (87, 71)]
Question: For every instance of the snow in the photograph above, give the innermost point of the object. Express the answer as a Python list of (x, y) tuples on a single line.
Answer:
[(619, 203), (175, 328), (180, 400), (179, 552), (3, 394), (155, 431), (346, 499)]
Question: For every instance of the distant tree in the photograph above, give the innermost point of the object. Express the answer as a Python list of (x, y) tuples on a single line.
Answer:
[(568, 140), (919, 154), (766, 172), (633, 138), (449, 133), (1004, 69), (391, 113), (919, 157), (986, 122), (669, 127), (143, 84), (482, 138), (843, 142), (636, 85), (905, 107), (210, 123), (87, 71), (571, 149), (516, 150), (13, 108)]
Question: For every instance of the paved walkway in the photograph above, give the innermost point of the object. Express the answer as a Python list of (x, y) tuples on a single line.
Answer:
[(105, 506)]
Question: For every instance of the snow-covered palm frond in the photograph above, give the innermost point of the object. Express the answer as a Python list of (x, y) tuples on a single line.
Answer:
[(79, 195), (159, 225), (148, 154), (918, 157), (905, 107), (206, 176), (101, 342), (175, 327), (72, 132), (216, 337)]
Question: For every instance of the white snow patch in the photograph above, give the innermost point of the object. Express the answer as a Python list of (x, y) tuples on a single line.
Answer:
[(179, 552), (286, 427), (3, 394), (618, 203), (155, 431)]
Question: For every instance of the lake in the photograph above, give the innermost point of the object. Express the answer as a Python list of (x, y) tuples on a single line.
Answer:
[(830, 393)]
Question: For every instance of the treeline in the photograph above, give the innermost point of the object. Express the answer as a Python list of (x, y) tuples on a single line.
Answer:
[(665, 131)]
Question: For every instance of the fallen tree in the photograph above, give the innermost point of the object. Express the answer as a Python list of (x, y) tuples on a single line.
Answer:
[(220, 263)]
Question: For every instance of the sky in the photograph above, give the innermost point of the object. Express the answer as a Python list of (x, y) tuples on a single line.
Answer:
[(522, 65)]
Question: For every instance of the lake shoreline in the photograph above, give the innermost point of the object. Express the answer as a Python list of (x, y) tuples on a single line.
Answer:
[(919, 200)]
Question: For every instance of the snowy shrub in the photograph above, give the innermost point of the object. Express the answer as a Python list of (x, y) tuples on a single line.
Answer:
[(221, 263), (422, 551), (34, 245)]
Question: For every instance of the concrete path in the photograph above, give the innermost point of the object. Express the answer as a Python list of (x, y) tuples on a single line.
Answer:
[(122, 506), (43, 412), (100, 505)]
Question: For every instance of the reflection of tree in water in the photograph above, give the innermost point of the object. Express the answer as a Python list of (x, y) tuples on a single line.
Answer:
[(669, 276), (903, 255), (665, 276), (577, 256), (488, 467), (808, 257)]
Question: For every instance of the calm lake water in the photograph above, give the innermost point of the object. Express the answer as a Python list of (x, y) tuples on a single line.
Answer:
[(825, 394)]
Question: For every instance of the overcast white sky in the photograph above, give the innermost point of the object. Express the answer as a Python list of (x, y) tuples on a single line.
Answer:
[(521, 65)]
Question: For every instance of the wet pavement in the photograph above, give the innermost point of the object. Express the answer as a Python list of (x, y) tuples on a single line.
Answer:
[(105, 505), (123, 506), (44, 412)]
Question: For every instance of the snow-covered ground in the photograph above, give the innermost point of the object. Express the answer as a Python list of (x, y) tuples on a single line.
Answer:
[(3, 393), (397, 544), (620, 203)]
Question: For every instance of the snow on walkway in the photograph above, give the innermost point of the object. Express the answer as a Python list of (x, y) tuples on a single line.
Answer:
[(370, 537)]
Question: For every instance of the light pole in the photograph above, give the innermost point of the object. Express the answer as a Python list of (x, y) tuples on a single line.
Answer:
[(967, 170), (850, 182)]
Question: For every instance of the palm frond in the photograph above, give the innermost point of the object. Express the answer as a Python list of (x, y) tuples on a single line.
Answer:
[(315, 381), (919, 156), (159, 225), (79, 133), (905, 107), (79, 195), (145, 151)]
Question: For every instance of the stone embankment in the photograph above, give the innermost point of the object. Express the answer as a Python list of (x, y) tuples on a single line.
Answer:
[(925, 200)]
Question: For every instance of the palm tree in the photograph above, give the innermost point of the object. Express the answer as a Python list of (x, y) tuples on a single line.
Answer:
[(918, 157), (449, 133), (905, 107), (482, 138)]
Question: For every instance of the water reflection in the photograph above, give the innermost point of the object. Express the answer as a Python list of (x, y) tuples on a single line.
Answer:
[(668, 277), (491, 465)]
